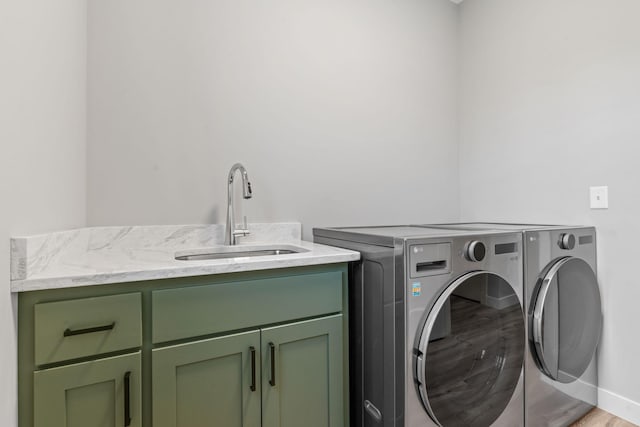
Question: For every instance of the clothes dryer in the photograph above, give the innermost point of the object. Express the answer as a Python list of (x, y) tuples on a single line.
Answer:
[(564, 318), (437, 329)]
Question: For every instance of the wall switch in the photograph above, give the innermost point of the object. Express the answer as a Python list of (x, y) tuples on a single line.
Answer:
[(599, 197)]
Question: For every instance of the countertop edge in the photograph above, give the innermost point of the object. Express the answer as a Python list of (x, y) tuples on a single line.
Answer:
[(172, 272)]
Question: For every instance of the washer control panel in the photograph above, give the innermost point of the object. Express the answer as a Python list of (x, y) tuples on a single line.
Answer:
[(430, 259), (475, 251)]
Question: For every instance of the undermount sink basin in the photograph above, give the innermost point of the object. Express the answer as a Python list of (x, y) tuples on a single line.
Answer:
[(238, 252)]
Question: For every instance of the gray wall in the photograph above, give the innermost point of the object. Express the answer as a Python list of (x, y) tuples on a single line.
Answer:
[(343, 112), (550, 99), (42, 142)]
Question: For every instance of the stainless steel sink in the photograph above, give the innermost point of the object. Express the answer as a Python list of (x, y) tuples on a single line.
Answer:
[(238, 252)]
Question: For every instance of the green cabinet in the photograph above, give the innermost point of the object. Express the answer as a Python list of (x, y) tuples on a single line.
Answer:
[(218, 382), (302, 374), (99, 393), (251, 349), (213, 382)]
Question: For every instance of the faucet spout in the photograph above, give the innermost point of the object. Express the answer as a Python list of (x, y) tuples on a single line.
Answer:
[(247, 192), (231, 233)]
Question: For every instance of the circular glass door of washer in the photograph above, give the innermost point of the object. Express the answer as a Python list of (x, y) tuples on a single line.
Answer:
[(471, 351)]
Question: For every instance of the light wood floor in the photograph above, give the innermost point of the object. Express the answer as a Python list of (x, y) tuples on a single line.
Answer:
[(600, 418)]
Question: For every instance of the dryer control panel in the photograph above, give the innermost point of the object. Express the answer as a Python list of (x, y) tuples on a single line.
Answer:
[(567, 241)]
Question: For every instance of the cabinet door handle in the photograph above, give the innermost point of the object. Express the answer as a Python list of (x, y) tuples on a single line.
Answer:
[(127, 399), (69, 333), (373, 411), (252, 350), (272, 350)]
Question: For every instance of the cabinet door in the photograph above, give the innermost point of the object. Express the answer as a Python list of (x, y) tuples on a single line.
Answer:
[(214, 382), (302, 374), (100, 393)]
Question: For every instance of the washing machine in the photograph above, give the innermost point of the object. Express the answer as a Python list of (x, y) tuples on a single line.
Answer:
[(564, 320), (437, 328)]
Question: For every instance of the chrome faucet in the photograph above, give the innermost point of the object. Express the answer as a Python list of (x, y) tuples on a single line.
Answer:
[(231, 232)]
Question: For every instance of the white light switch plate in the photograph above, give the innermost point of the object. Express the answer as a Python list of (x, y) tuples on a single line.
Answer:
[(599, 197)]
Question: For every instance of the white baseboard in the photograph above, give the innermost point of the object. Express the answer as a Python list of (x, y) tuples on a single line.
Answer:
[(501, 303), (619, 406)]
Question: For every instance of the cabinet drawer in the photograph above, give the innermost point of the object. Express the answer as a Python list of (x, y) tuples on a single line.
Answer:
[(204, 310), (84, 327)]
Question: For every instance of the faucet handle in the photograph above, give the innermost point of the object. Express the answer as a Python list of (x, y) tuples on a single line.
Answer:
[(244, 231)]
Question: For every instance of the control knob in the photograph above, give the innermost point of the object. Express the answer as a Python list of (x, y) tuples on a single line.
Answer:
[(567, 241), (475, 251)]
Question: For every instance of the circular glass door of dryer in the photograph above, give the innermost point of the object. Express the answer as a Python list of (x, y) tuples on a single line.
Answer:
[(566, 319), (471, 351)]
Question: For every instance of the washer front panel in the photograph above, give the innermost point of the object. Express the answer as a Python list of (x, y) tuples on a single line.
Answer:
[(565, 319), (471, 352)]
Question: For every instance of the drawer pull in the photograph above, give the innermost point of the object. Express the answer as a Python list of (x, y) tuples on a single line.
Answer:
[(252, 350), (69, 333), (272, 349), (127, 399)]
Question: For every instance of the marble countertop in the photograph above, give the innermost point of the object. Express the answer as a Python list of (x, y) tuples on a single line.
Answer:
[(103, 255)]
